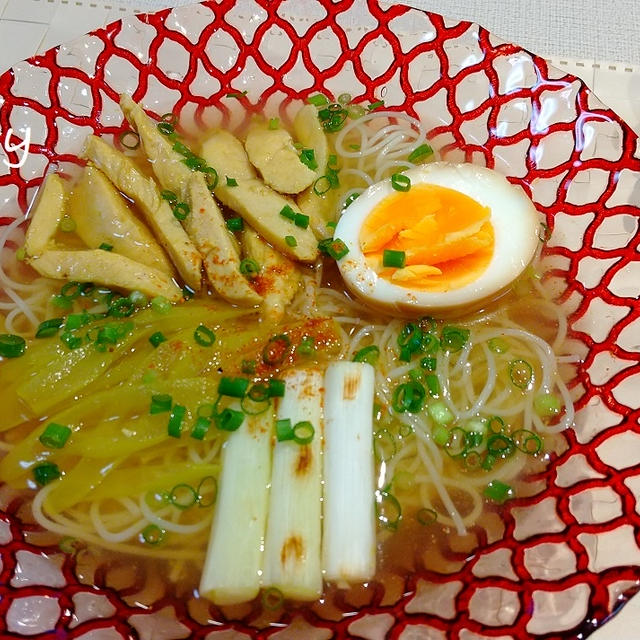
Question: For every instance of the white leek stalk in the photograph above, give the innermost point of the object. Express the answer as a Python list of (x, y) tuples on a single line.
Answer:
[(294, 529), (233, 566), (349, 542)]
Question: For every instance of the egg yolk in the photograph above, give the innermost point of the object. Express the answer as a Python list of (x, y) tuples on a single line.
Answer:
[(446, 237)]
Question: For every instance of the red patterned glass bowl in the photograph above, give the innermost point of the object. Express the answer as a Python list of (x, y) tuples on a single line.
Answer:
[(570, 554)]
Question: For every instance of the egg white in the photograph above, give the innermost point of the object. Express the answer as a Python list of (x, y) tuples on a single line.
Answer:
[(515, 225)]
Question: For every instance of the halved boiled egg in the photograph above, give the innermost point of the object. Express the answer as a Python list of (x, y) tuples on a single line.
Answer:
[(441, 238)]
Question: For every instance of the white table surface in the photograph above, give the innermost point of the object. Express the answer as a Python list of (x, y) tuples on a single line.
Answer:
[(597, 40)]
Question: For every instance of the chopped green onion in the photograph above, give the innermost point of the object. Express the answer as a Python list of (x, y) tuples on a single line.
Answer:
[(331, 224), (472, 459), (106, 247), (375, 105), (429, 363), (456, 442), (301, 220), (495, 424), (67, 338), (355, 111), (546, 404), (181, 210), (55, 435), (207, 410), (318, 100), (303, 432), (67, 224), (321, 185), (433, 385), (129, 140), (420, 153), (160, 403), (368, 354), (248, 367), (169, 196), (258, 392), (161, 304), (392, 258), (410, 337), (350, 199), (49, 327), (152, 535), (203, 490), (254, 407), (408, 397), (520, 373), (200, 428), (210, 177), (306, 346), (308, 158), (500, 445), (272, 597), (489, 462), (182, 148), (498, 491), (287, 212), (384, 445), (274, 123), (229, 420), (440, 412), (121, 308), (204, 336), (284, 430), (291, 241), (169, 117), (71, 290), (238, 95), (498, 345), (400, 182), (427, 324), (276, 388), (157, 338), (233, 387), (527, 441), (440, 435), (61, 302), (276, 349), (454, 338), (195, 163), (183, 496), (46, 472), (70, 545), (21, 254), (165, 128), (426, 516), (174, 426), (473, 439), (332, 117), (235, 224), (336, 249), (344, 98), (249, 268), (544, 233), (231, 182), (138, 299), (388, 510)]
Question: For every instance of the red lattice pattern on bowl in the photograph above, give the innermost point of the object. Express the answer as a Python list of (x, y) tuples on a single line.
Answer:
[(569, 552)]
